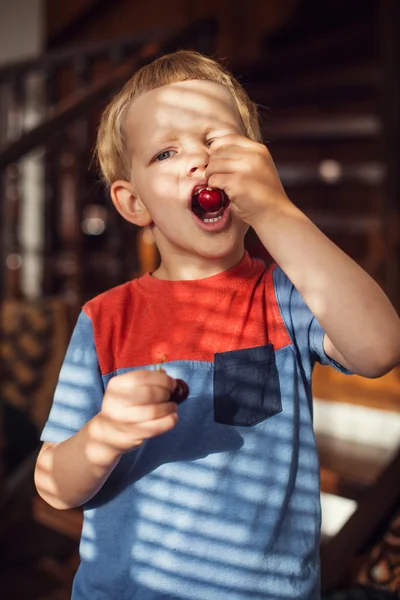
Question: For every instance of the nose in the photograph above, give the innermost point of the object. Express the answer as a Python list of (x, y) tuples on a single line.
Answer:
[(197, 162)]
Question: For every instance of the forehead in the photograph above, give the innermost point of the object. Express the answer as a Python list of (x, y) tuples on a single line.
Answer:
[(182, 106)]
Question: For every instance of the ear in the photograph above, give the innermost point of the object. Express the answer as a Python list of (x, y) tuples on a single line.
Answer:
[(128, 203)]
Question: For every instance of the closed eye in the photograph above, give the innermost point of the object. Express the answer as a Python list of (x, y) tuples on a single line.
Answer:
[(164, 155)]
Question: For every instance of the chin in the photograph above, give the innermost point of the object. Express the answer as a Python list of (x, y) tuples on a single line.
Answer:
[(218, 246), (221, 249)]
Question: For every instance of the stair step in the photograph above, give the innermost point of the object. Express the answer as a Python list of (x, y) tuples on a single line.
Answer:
[(327, 49), (381, 393), (314, 18), (328, 87), (344, 151), (323, 128), (330, 172), (349, 468)]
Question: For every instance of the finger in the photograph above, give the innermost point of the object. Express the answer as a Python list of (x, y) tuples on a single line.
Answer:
[(222, 165), (220, 181), (127, 382), (231, 139), (151, 429), (138, 394), (126, 438), (122, 416)]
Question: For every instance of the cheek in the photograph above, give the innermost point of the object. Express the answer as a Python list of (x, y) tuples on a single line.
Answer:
[(160, 186), (164, 185)]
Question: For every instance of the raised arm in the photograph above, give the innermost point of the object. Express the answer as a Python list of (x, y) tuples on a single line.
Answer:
[(362, 327)]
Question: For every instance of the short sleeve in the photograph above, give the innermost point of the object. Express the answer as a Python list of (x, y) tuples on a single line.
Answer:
[(79, 392), (306, 333)]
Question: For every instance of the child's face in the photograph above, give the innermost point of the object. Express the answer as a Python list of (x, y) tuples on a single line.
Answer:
[(169, 132)]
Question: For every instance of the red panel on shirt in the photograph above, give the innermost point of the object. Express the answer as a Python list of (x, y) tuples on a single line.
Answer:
[(147, 321)]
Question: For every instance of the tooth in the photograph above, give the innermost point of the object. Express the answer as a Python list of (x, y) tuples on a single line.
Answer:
[(212, 220)]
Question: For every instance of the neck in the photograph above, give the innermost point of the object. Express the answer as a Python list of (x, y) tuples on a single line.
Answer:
[(181, 267)]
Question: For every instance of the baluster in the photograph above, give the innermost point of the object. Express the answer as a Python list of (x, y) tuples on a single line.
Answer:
[(13, 255), (3, 236), (50, 190), (50, 88), (14, 124), (12, 193), (68, 218), (80, 140), (117, 54), (82, 70), (3, 278), (4, 102), (32, 197), (390, 112)]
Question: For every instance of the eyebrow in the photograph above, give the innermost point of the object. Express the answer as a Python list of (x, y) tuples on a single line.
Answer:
[(165, 139), (170, 137)]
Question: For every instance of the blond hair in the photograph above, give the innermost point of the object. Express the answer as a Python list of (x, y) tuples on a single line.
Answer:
[(170, 68)]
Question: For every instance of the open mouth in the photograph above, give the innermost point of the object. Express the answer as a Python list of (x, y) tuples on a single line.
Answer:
[(208, 216)]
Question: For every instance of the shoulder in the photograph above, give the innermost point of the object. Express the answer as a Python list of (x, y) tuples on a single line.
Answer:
[(110, 303), (110, 315), (285, 306), (276, 282)]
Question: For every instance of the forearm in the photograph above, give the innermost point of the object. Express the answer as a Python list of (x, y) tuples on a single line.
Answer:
[(352, 309), (69, 473)]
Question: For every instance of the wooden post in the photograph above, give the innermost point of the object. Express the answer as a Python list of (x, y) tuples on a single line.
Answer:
[(3, 255), (68, 218), (390, 108)]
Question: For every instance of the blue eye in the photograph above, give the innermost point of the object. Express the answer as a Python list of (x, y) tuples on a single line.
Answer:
[(164, 155)]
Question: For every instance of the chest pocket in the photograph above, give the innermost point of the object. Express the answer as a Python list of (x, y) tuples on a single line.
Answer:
[(246, 386)]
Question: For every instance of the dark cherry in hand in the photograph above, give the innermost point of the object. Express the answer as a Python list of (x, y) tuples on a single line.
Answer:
[(181, 391), (211, 200)]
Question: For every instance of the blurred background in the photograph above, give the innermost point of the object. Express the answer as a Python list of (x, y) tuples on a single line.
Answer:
[(325, 74)]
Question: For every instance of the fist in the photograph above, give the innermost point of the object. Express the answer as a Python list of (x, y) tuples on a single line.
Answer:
[(246, 173), (137, 406)]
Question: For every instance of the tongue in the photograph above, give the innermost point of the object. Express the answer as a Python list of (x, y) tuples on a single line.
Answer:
[(202, 214), (212, 215)]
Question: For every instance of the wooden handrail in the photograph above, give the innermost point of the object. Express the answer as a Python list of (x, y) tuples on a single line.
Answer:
[(130, 43), (69, 30), (54, 59), (312, 17), (65, 112), (343, 126), (74, 107)]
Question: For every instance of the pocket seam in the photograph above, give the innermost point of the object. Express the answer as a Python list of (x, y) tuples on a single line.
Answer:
[(255, 362)]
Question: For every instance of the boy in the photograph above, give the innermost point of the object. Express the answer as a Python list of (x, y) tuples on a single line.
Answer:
[(222, 502)]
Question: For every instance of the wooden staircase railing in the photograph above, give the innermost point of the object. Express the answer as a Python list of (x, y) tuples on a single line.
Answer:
[(83, 16), (46, 185), (63, 137)]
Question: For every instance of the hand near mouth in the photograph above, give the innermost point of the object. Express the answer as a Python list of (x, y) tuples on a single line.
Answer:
[(245, 172)]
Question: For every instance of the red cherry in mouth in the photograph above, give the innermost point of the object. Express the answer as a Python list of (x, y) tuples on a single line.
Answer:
[(211, 200)]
